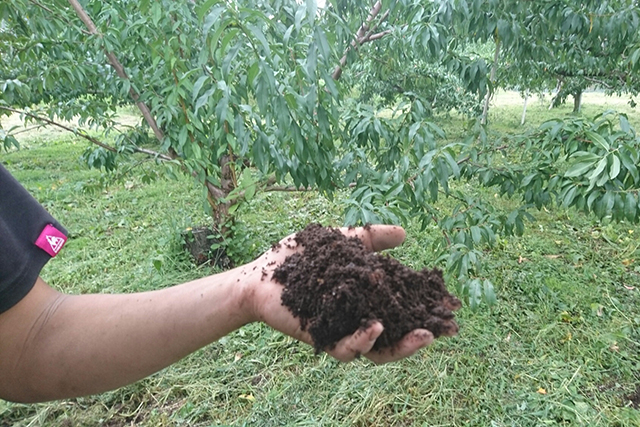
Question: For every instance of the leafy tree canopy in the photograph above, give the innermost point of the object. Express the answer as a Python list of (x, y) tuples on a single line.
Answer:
[(251, 96)]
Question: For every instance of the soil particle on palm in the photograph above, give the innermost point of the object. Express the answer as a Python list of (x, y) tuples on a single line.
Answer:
[(336, 286)]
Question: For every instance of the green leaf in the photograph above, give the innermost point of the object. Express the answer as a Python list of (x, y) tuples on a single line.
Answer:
[(351, 216), (156, 13), (211, 18), (578, 169), (323, 44), (608, 201), (312, 61), (489, 293), (631, 207), (233, 208), (198, 85), (203, 99), (629, 165), (624, 124), (250, 191), (201, 9), (252, 73), (476, 235), (592, 197), (452, 164), (475, 293), (229, 57), (312, 10), (258, 34), (599, 169), (596, 138), (615, 167)]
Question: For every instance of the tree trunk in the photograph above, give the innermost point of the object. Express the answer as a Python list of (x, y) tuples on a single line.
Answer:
[(577, 101), (554, 97), (524, 109), (492, 79), (220, 208)]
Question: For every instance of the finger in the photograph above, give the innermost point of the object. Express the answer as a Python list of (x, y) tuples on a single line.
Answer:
[(377, 237), (358, 343), (408, 345), (449, 328)]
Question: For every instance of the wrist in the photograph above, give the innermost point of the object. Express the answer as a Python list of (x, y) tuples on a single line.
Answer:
[(248, 282)]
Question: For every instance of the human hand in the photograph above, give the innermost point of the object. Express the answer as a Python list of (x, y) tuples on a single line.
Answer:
[(264, 294)]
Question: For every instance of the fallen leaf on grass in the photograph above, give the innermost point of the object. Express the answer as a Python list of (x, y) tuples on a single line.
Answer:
[(237, 357), (542, 391), (248, 397), (627, 262), (521, 260), (614, 347)]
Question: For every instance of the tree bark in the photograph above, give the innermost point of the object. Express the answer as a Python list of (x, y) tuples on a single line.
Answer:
[(524, 109), (554, 97), (492, 79), (364, 34), (577, 101)]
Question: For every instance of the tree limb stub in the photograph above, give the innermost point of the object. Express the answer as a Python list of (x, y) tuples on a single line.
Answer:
[(117, 66), (364, 34), (84, 135)]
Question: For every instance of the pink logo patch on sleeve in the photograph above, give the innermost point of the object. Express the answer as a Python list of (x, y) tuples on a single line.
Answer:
[(51, 240)]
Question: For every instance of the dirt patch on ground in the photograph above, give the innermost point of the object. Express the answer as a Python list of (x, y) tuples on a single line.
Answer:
[(336, 286), (634, 398), (199, 242)]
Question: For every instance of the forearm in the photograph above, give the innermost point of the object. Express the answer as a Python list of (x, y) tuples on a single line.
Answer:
[(85, 344), (55, 346)]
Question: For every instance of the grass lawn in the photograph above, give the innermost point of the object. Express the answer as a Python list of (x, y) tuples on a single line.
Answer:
[(561, 346)]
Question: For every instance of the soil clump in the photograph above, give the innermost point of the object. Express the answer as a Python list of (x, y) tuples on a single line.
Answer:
[(336, 286)]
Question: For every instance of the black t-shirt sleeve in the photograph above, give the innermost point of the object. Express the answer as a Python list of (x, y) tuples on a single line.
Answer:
[(22, 221)]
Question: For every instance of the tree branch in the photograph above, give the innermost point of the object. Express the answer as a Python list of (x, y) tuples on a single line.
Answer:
[(620, 76), (466, 159), (600, 82), (146, 113), (291, 189), (364, 34), (84, 135)]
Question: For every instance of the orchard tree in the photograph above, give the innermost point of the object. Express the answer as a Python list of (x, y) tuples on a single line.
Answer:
[(568, 45), (253, 96)]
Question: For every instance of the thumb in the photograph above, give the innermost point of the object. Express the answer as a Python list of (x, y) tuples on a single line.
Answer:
[(377, 237)]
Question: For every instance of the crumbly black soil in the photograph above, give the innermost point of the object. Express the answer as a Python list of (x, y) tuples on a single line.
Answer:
[(336, 286)]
